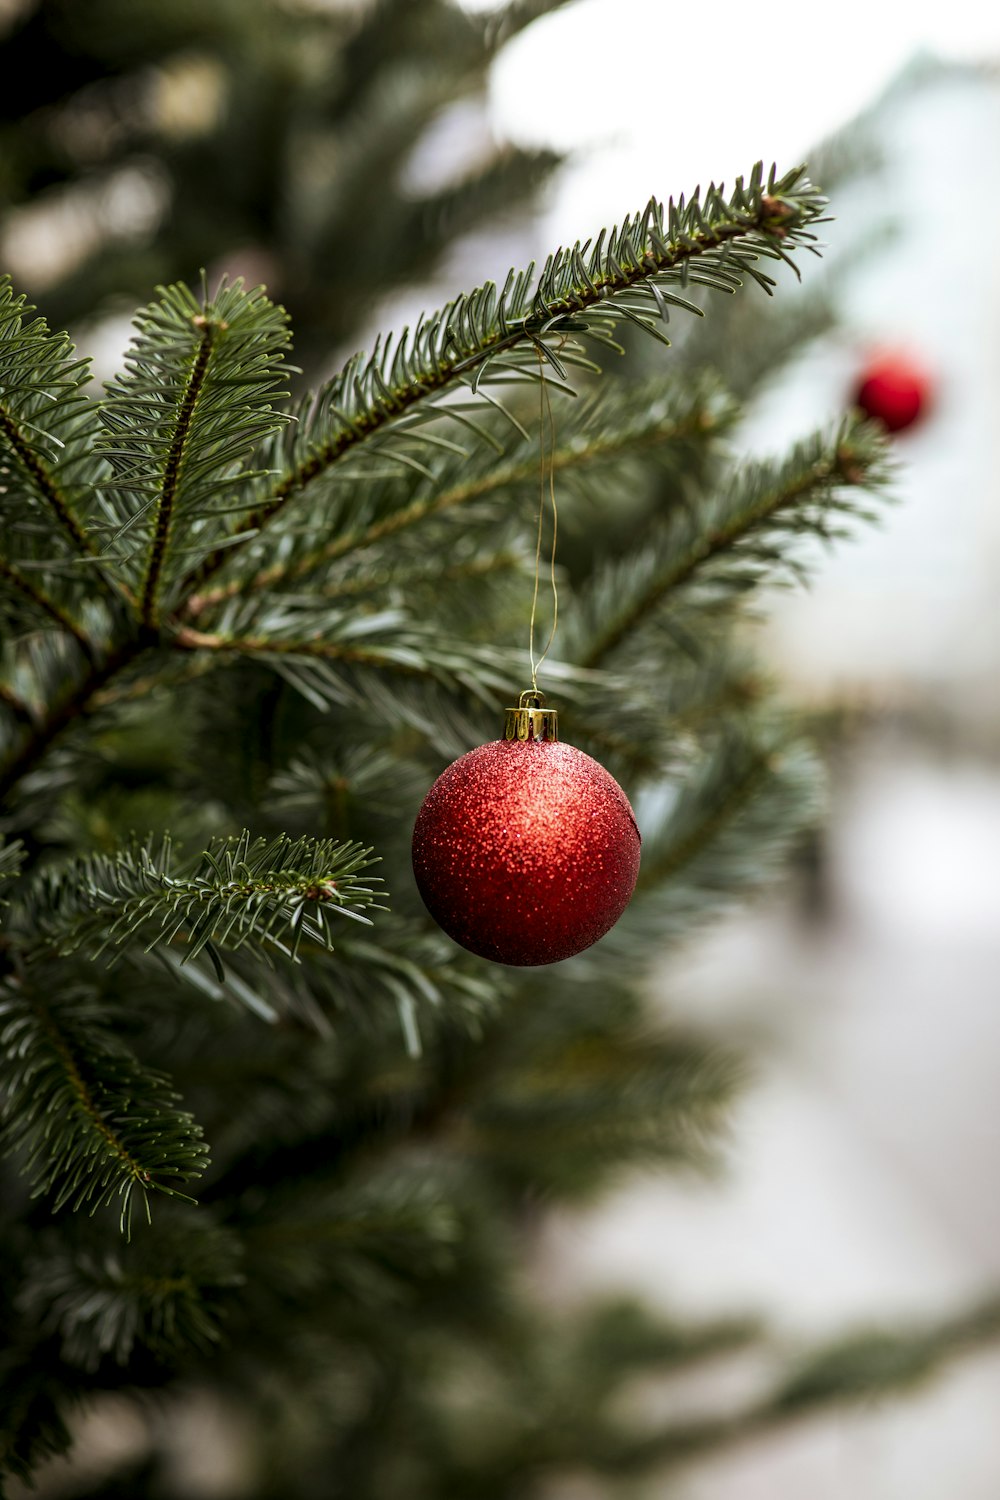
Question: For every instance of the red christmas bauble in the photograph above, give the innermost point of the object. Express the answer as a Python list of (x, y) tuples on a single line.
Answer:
[(894, 389), (526, 850)]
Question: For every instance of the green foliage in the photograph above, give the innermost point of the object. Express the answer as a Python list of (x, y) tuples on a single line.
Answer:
[(165, 1296), (532, 330), (728, 829), (250, 132), (48, 470), (227, 611), (747, 535), (871, 1362), (194, 401), (11, 857), (269, 893), (92, 1124), (600, 1093)]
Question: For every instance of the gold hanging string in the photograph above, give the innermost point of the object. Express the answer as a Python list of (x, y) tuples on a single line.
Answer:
[(546, 483)]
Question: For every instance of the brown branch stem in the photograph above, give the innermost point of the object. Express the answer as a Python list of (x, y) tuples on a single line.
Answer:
[(80, 700), (45, 483), (84, 1095), (17, 580), (148, 609), (187, 639)]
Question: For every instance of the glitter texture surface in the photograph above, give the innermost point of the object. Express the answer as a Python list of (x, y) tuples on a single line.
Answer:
[(526, 852)]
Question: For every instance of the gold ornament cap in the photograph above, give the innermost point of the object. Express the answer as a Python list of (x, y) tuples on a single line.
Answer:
[(531, 720)]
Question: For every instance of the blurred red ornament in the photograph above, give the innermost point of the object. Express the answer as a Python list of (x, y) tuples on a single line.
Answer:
[(893, 389), (526, 850)]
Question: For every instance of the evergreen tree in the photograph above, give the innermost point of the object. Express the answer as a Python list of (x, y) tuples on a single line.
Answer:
[(174, 135), (273, 1140)]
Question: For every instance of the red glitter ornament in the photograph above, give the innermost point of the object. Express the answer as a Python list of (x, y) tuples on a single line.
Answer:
[(526, 850), (894, 389)]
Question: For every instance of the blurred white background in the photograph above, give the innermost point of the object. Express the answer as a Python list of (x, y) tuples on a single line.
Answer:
[(863, 1176)]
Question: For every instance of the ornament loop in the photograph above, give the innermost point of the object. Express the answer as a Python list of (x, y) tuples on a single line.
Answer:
[(531, 720)]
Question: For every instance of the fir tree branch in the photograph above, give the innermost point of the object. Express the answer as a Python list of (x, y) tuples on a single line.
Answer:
[(720, 838), (174, 669), (617, 422), (382, 580), (395, 645), (379, 1240), (669, 718), (93, 1125), (566, 1419), (196, 400), (416, 972), (744, 534), (164, 1294), (366, 656), (11, 858), (21, 584), (734, 818), (391, 30), (485, 337), (40, 477), (600, 1096), (80, 700), (620, 1337), (175, 436), (239, 892), (497, 186), (857, 1368), (730, 784), (40, 394), (164, 508)]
